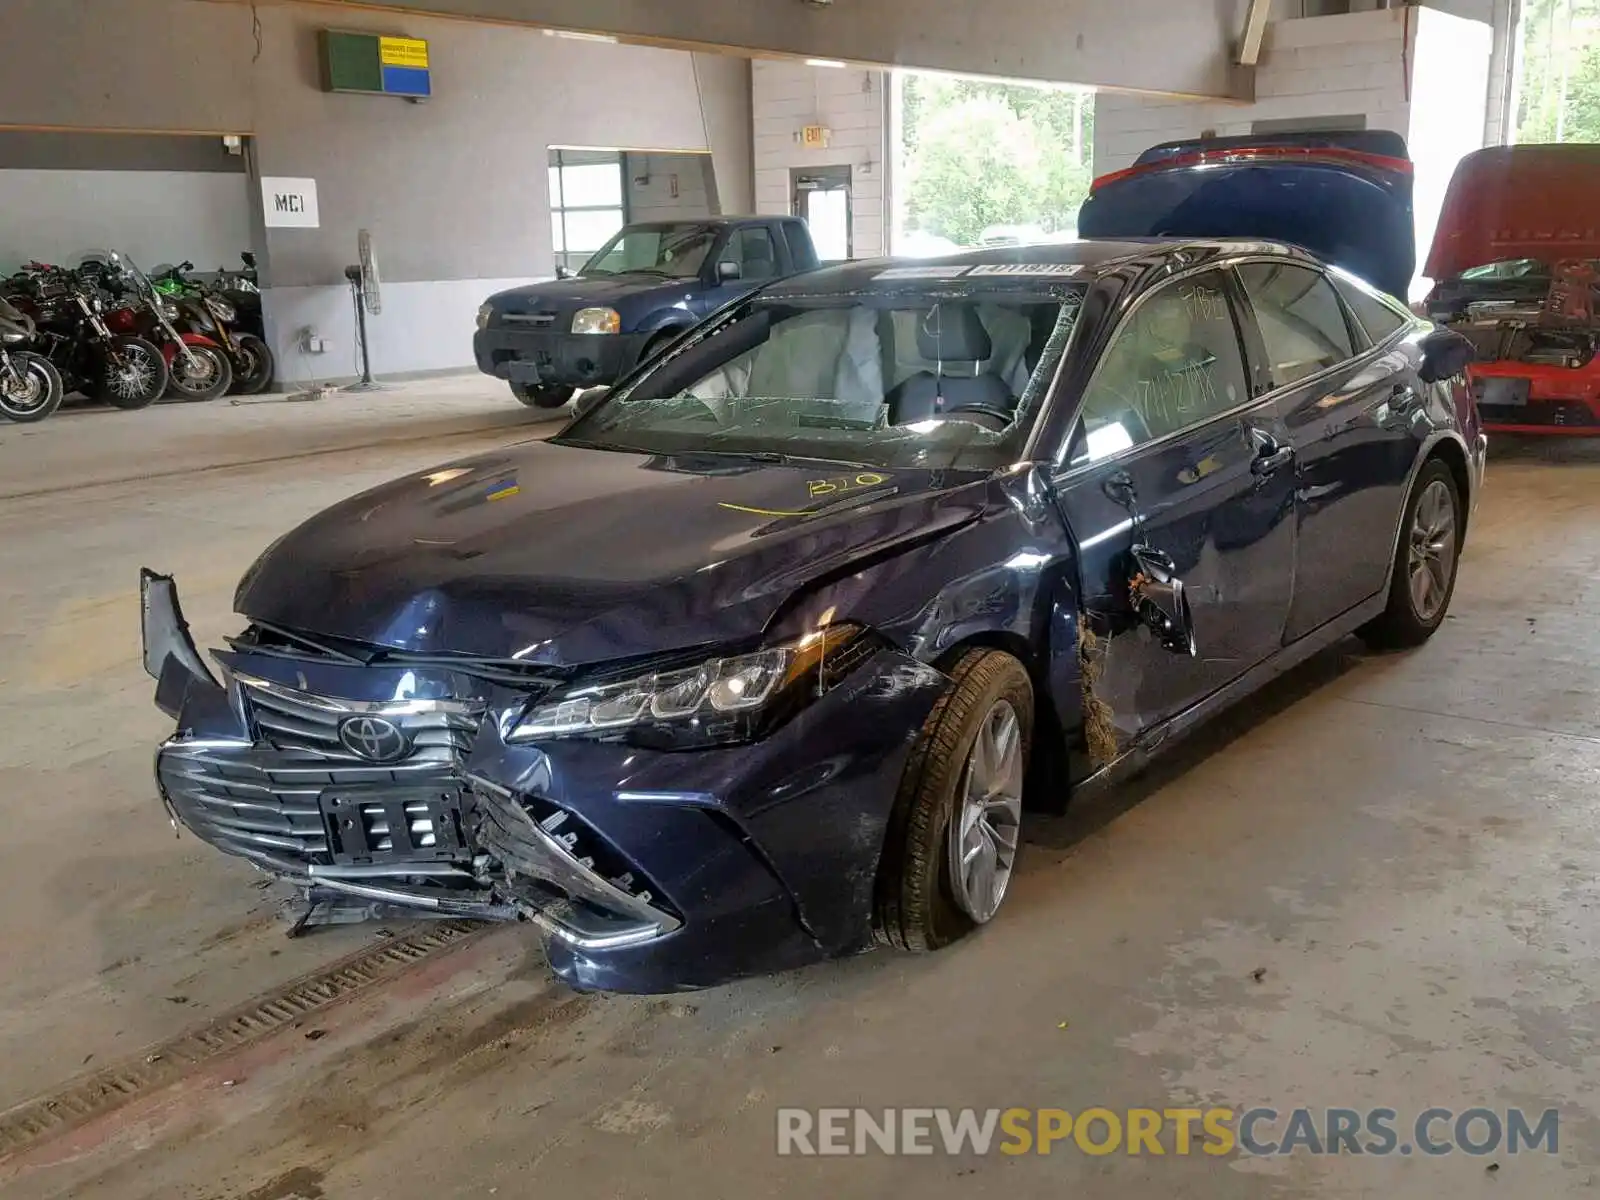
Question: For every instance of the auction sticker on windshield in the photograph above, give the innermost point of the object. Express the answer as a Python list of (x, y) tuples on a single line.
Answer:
[(1026, 269)]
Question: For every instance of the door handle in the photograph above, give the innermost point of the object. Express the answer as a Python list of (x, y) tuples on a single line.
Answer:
[(1271, 455)]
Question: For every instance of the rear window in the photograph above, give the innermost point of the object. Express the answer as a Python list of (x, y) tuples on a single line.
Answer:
[(800, 247), (1376, 316), (1302, 323)]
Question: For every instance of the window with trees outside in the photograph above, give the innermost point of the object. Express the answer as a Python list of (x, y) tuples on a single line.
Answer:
[(586, 202)]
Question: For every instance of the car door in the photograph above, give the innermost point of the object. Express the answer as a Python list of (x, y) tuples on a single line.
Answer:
[(1174, 467), (754, 251), (1347, 404)]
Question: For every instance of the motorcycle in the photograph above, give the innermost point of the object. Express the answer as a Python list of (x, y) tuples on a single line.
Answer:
[(30, 386), (69, 310), (198, 367), (206, 310)]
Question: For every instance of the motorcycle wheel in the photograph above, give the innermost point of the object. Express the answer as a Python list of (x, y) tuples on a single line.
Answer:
[(136, 377), (202, 374), (253, 366), (32, 389)]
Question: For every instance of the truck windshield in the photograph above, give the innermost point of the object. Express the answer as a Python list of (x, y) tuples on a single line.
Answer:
[(948, 378), (671, 251)]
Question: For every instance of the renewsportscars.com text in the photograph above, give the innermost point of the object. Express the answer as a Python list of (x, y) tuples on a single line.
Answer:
[(1216, 1132)]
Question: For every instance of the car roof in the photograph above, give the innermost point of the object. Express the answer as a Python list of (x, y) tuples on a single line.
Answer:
[(1093, 257)]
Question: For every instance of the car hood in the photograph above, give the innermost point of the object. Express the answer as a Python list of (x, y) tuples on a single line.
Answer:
[(1512, 202), (564, 294), (1346, 197), (560, 555)]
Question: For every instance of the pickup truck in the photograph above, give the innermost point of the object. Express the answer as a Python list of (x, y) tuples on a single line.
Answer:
[(648, 284)]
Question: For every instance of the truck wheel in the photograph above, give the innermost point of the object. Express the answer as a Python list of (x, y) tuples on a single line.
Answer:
[(955, 828), (535, 396)]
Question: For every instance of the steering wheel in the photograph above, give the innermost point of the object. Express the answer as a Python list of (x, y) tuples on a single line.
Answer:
[(1003, 416)]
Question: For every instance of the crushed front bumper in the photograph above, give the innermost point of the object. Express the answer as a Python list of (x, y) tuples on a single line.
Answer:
[(650, 871)]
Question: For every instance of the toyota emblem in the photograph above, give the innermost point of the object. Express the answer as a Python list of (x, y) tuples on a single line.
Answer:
[(374, 739)]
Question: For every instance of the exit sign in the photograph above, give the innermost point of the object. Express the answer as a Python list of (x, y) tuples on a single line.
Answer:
[(814, 137), (375, 64)]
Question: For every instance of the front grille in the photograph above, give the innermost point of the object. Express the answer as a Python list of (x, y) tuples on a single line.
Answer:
[(297, 793), (298, 722), (541, 320)]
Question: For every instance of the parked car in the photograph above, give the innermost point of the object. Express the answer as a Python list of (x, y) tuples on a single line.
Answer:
[(763, 656), (644, 287), (1516, 265)]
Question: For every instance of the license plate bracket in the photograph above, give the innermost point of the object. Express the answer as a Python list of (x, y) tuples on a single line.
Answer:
[(414, 824), (1503, 392)]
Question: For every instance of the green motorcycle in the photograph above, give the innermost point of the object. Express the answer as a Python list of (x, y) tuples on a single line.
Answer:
[(205, 310)]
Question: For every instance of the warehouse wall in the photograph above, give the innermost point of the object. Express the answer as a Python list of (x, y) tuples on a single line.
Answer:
[(454, 190), (651, 179), (851, 104)]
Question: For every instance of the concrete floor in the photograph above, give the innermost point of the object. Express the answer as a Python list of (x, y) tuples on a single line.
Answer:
[(1373, 885)]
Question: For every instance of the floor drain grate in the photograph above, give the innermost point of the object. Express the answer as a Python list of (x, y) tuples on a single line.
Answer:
[(100, 1092)]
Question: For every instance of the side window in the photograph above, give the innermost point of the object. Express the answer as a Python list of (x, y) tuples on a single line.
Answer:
[(1302, 323), (753, 250), (800, 247), (1376, 316), (1173, 364)]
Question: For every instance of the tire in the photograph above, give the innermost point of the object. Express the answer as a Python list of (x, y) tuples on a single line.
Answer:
[(919, 905), (253, 366), (1430, 536), (142, 378), (32, 390), (541, 397), (655, 345), (214, 378)]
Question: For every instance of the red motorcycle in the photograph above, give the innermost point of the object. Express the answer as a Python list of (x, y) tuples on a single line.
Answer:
[(198, 366)]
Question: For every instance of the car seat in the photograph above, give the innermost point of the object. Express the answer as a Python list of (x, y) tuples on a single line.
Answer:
[(953, 338)]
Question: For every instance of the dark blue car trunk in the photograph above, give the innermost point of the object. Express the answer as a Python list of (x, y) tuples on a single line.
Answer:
[(1346, 197)]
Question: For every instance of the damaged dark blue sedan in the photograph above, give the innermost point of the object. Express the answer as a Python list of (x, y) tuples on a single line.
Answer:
[(765, 655)]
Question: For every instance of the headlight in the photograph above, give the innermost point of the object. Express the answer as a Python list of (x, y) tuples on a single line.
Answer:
[(485, 311), (721, 701), (223, 311), (597, 320), (12, 337), (169, 310)]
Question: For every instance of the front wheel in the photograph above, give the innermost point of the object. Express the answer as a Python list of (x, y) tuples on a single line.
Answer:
[(133, 374), (199, 373), (1425, 564), (30, 387), (536, 396), (253, 365), (954, 832)]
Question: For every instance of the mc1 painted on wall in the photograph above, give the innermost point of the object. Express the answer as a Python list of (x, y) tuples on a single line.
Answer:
[(289, 203)]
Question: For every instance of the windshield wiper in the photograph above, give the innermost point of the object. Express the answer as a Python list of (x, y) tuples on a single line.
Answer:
[(790, 460)]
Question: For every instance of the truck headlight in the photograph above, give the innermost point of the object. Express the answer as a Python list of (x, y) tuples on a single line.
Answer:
[(597, 320), (719, 702), (485, 311)]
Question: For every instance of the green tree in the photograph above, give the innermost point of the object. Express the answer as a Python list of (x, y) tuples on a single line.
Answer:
[(1559, 96), (981, 153)]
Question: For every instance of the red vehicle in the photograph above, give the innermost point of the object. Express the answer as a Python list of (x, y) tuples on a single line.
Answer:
[(198, 367), (1516, 265)]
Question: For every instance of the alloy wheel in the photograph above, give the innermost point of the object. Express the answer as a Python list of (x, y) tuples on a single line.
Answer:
[(1432, 559), (987, 822)]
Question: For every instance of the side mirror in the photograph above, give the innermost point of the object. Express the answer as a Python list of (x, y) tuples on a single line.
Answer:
[(564, 272), (728, 271), (1445, 354), (1158, 597), (587, 400)]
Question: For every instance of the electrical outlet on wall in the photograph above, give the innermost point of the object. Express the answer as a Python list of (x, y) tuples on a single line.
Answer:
[(312, 342)]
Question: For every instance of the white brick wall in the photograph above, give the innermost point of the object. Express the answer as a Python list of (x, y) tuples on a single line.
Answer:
[(851, 103)]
